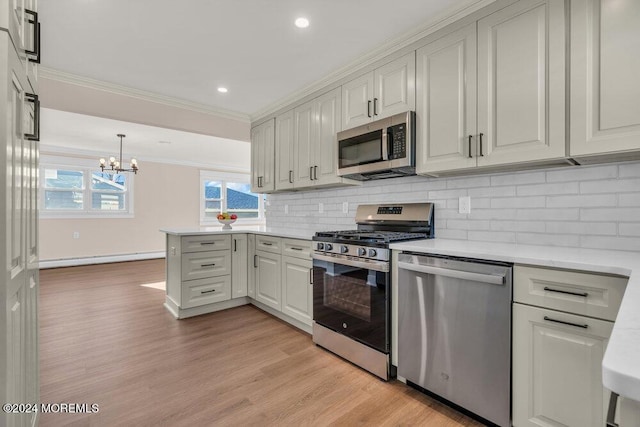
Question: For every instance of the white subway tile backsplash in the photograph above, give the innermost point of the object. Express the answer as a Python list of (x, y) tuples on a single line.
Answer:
[(583, 206)]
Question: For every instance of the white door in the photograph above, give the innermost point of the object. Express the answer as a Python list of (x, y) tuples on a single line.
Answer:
[(557, 368), (297, 291), (327, 109), (252, 265), (284, 151), (304, 144), (256, 163), (12, 18), (263, 157), (521, 83), (357, 101), (239, 270), (395, 90), (268, 274), (446, 103), (605, 70)]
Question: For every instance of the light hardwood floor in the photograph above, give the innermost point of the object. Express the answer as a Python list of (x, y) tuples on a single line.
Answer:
[(106, 339)]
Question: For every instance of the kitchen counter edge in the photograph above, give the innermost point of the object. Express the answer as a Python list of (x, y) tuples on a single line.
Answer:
[(620, 366), (287, 234)]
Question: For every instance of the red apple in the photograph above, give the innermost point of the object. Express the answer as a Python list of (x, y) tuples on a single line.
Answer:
[(234, 216)]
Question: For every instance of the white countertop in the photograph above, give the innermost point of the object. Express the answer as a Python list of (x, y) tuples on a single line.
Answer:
[(254, 229), (621, 364)]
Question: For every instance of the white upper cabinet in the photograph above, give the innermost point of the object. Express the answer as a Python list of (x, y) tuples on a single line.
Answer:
[(284, 151), (605, 66), (263, 157), (13, 19), (446, 102), (386, 91), (492, 93), (327, 112), (305, 141)]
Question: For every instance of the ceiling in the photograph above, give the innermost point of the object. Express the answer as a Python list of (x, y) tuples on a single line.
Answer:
[(186, 49)]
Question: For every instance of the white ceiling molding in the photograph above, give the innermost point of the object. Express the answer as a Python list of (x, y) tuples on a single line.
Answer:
[(438, 22), (62, 76), (57, 152)]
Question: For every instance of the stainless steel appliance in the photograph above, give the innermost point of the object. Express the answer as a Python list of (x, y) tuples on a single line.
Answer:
[(454, 339), (381, 149), (352, 285)]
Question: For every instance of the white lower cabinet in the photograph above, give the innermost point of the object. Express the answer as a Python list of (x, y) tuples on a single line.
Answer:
[(268, 277), (239, 265), (557, 350), (297, 291)]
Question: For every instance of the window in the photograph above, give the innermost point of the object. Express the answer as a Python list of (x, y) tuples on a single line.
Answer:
[(76, 191), (226, 192)]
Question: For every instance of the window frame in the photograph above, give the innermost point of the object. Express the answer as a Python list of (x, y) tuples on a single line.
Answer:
[(87, 167), (224, 178)]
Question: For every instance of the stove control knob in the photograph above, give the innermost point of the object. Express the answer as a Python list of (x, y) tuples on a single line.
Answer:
[(328, 246), (362, 251), (320, 246), (344, 249), (372, 253)]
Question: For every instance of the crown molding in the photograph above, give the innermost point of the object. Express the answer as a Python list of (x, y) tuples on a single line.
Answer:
[(440, 21), (65, 77), (55, 150)]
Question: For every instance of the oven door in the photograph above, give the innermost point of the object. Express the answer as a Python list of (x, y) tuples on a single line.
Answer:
[(352, 300)]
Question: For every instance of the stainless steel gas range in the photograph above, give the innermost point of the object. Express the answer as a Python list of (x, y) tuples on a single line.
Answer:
[(352, 282)]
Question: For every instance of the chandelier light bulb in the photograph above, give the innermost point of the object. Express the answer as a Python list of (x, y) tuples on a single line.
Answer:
[(103, 162)]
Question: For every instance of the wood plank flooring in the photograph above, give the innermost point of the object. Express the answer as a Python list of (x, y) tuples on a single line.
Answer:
[(106, 339)]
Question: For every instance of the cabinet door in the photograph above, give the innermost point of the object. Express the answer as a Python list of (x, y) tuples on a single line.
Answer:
[(357, 101), (446, 107), (13, 19), (304, 125), (252, 265), (268, 274), (328, 110), (297, 293), (284, 151), (605, 65), (521, 83), (557, 368), (395, 90), (239, 270), (263, 157)]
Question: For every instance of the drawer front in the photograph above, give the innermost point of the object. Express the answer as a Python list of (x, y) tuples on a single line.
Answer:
[(206, 291), (582, 293), (199, 265), (296, 248), (204, 243), (269, 244)]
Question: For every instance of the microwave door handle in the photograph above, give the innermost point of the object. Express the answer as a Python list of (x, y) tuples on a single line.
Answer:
[(385, 145)]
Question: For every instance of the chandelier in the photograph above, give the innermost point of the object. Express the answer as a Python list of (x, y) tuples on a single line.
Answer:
[(116, 165)]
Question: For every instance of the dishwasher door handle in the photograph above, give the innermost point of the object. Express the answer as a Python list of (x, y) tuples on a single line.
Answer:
[(456, 274)]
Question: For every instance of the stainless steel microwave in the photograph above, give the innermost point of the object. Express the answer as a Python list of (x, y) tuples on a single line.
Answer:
[(381, 149)]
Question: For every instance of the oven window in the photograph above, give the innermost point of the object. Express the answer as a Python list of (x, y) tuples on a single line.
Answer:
[(349, 293), (361, 149)]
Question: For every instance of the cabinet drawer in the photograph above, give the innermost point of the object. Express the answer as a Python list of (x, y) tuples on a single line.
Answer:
[(199, 265), (587, 294), (269, 244), (296, 248), (206, 291), (211, 242)]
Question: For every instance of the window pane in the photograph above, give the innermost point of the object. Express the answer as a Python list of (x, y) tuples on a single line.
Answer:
[(241, 201), (62, 200), (212, 190), (63, 179), (107, 201), (211, 208), (107, 181)]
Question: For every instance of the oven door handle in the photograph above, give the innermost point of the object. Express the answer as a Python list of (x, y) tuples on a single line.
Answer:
[(385, 145), (382, 266), (456, 274)]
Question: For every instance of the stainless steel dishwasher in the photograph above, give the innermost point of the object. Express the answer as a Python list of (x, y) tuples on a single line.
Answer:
[(454, 331)]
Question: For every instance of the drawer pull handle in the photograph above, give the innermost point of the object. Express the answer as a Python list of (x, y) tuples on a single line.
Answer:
[(207, 265), (295, 249), (207, 243), (577, 325), (208, 292), (611, 412), (578, 294), (267, 244)]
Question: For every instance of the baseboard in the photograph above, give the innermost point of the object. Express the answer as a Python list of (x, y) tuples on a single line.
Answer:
[(72, 262), (290, 320)]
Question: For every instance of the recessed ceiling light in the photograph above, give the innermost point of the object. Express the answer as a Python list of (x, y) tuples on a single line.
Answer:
[(164, 142), (302, 22), (222, 89)]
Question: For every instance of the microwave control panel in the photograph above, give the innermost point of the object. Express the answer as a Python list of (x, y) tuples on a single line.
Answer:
[(397, 137)]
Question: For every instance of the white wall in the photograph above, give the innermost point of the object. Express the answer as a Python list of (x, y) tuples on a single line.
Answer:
[(579, 206)]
